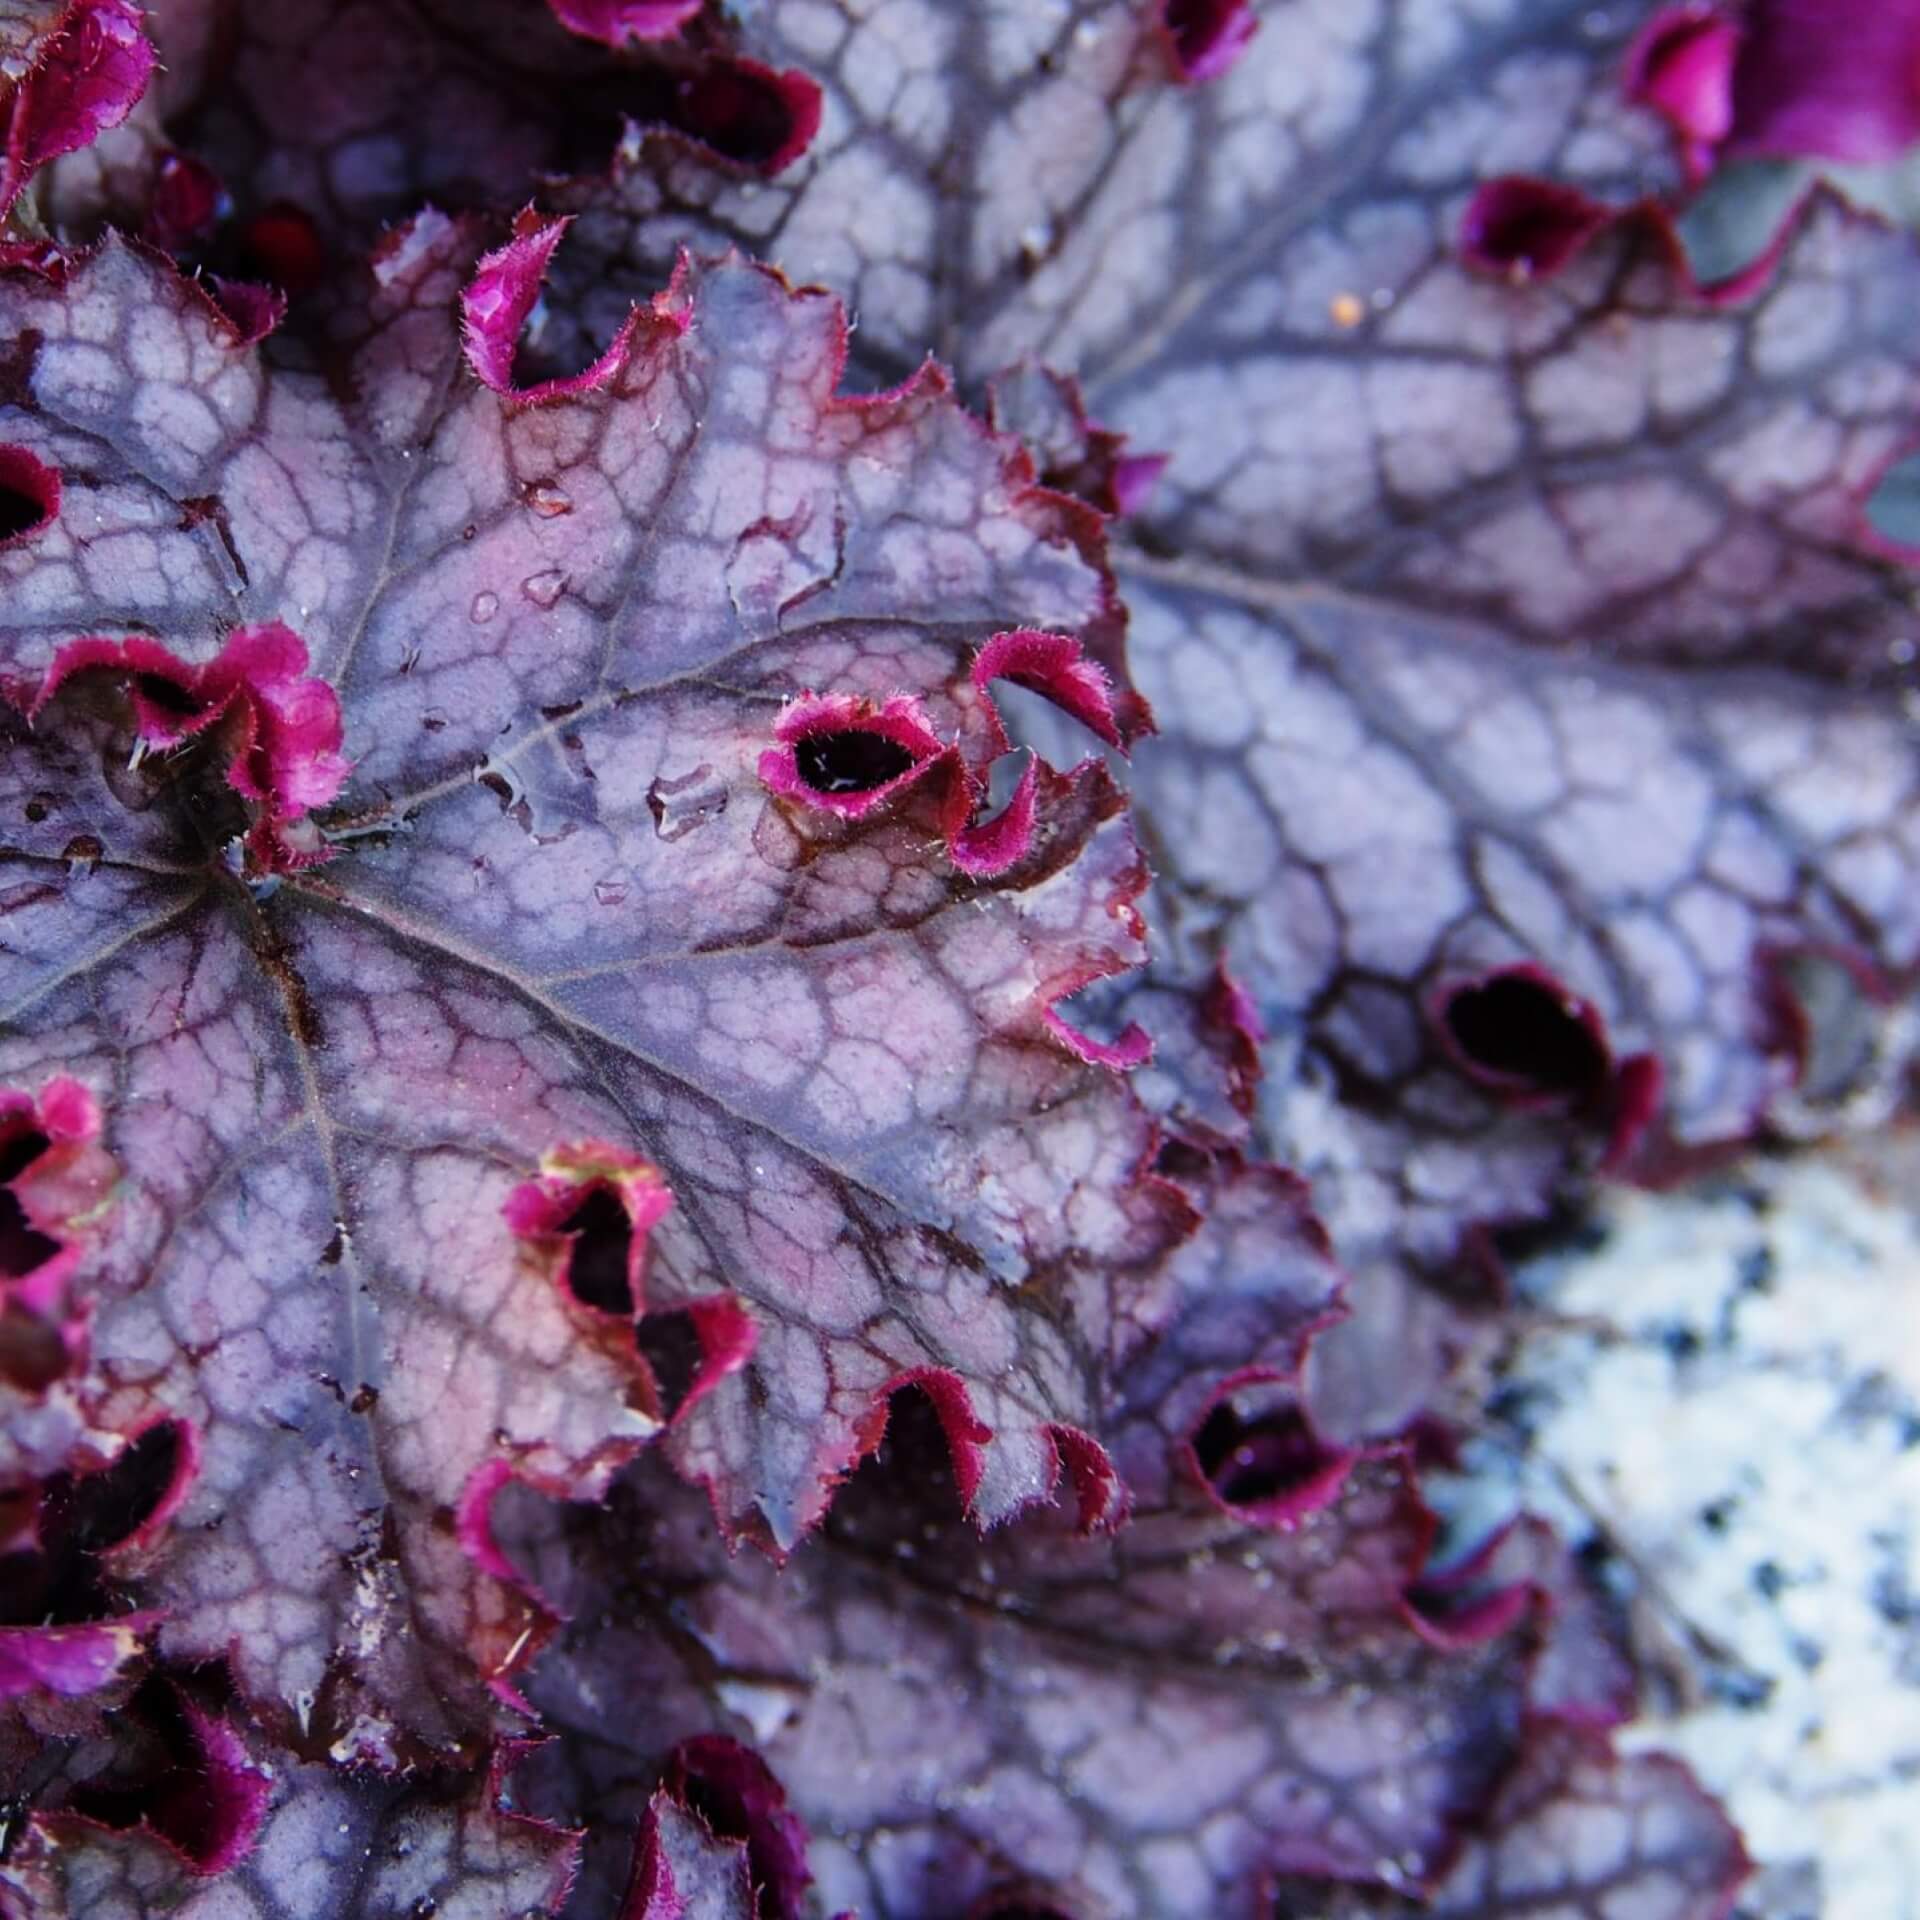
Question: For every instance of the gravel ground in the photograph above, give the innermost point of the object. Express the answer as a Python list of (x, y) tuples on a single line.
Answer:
[(1718, 1394)]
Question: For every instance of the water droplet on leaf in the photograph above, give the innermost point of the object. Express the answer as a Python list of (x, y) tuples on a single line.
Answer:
[(82, 855), (504, 781), (484, 607), (685, 802)]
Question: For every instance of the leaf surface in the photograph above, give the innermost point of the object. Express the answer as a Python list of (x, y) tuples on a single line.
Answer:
[(353, 1848), (1129, 1726), (587, 832), (557, 901), (1492, 619)]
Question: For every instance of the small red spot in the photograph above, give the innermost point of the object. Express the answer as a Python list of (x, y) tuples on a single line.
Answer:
[(282, 244)]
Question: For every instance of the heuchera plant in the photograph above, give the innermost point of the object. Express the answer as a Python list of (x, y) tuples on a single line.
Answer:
[(761, 1095)]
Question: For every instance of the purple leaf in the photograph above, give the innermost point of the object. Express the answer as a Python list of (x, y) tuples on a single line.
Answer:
[(681, 1869), (78, 1529), (1136, 1724), (619, 21), (72, 1661), (1466, 606), (1206, 37), (85, 66), (1620, 828), (1141, 1722), (574, 869), (937, 186), (1583, 1675), (354, 1846), (563, 903), (1578, 1831), (29, 495), (1074, 454), (308, 134), (1832, 78), (1023, 1779), (1681, 64), (1583, 391), (1574, 1822), (1338, 800), (732, 1790), (55, 1185)]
